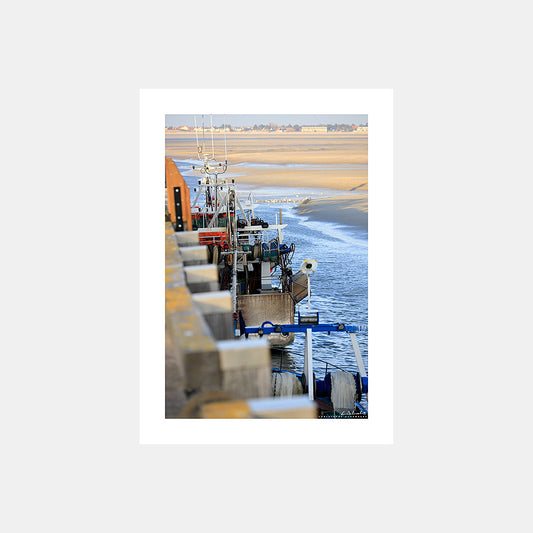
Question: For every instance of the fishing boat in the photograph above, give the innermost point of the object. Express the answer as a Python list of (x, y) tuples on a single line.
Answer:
[(254, 262)]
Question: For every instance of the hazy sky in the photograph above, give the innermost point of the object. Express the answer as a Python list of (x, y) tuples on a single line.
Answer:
[(250, 120)]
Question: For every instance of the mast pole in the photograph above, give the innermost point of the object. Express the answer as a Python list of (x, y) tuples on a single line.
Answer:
[(203, 137), (234, 283), (212, 139), (225, 147), (197, 144)]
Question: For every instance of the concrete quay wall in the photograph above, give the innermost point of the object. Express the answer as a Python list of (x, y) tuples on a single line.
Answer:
[(201, 354), (209, 374)]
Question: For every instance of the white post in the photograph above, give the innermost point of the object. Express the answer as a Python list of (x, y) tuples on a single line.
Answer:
[(280, 235), (360, 365), (234, 283), (308, 293), (308, 362)]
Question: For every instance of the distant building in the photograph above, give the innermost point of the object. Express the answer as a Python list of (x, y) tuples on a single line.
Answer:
[(314, 129)]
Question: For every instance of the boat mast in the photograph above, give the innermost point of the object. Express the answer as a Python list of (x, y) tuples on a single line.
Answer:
[(228, 201)]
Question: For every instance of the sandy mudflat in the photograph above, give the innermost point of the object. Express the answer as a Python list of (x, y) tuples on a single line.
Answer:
[(338, 161), (350, 211), (342, 180), (282, 148), (332, 152)]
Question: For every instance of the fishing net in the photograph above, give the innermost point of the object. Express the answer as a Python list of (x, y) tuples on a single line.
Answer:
[(285, 384), (343, 390)]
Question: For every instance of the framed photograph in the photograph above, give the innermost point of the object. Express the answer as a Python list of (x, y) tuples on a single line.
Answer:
[(266, 266)]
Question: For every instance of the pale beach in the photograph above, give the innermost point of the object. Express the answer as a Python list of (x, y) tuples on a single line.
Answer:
[(337, 161)]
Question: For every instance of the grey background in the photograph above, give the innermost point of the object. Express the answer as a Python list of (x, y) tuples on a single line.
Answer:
[(69, 389)]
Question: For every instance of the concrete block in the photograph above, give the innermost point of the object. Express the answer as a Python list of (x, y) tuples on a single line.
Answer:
[(187, 238), (196, 273), (245, 367), (213, 302), (294, 407), (221, 325), (202, 371), (235, 409), (193, 255), (252, 382), (189, 333), (217, 308), (243, 354), (201, 278)]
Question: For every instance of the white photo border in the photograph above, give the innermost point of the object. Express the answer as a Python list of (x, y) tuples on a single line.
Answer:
[(378, 105)]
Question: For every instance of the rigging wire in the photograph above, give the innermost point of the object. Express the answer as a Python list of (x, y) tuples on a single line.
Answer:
[(212, 140), (225, 147), (203, 135), (196, 131)]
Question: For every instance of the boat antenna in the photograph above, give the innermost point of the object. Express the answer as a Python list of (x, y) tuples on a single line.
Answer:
[(198, 149), (203, 135), (225, 148), (212, 140)]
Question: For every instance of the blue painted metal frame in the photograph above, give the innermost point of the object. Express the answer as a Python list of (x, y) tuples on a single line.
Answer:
[(302, 328)]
